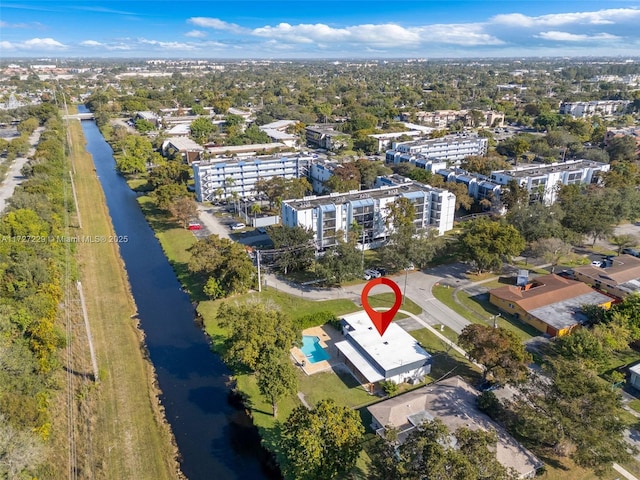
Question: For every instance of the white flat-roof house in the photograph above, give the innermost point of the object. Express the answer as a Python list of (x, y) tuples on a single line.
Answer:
[(277, 132), (330, 214), (541, 180), (214, 176), (395, 356)]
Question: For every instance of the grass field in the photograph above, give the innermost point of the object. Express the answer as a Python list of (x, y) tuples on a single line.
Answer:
[(445, 360), (481, 312), (127, 435)]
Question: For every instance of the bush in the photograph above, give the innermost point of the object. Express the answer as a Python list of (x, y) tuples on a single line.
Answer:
[(317, 319), (390, 387)]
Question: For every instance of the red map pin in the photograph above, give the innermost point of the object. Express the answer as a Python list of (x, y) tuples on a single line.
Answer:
[(381, 320)]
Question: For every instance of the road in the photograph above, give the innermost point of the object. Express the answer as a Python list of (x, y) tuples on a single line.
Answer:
[(13, 176), (416, 285), (418, 289)]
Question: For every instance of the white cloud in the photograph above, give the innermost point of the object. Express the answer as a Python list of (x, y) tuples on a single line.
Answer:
[(216, 24), (382, 35), (574, 37), (169, 45), (601, 17), (92, 43), (196, 34), (4, 24), (35, 44)]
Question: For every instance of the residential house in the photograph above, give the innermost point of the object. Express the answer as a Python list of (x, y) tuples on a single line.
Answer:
[(277, 132), (454, 403), (550, 303), (395, 356), (187, 148), (620, 279), (634, 376)]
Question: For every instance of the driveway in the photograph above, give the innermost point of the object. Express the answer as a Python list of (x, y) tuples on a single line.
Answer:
[(14, 177)]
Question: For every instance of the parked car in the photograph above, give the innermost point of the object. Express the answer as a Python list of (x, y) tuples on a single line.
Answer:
[(195, 226), (237, 226), (596, 263), (261, 230), (372, 273), (382, 271), (631, 251)]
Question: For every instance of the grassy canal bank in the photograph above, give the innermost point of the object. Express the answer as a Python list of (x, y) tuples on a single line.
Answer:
[(120, 430)]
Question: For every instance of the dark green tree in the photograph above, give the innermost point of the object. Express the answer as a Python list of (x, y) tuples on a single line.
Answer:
[(253, 329), (498, 350), (296, 251), (486, 243), (323, 442), (276, 376)]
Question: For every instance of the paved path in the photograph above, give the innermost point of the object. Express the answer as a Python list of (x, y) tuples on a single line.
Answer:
[(625, 473), (14, 177)]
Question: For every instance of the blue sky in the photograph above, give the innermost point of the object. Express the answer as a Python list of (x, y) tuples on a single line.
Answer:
[(325, 29)]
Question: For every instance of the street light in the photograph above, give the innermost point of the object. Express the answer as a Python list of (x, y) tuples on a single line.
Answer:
[(495, 320)]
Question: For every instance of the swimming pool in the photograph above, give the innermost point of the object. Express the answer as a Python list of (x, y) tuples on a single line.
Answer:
[(312, 349)]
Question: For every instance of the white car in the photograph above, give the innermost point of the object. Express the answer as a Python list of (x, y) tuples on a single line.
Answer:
[(237, 226), (596, 263)]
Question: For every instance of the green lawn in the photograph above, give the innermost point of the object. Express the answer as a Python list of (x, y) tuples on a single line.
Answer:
[(446, 361), (480, 311)]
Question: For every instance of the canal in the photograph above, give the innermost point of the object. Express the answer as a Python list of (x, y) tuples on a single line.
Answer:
[(215, 440)]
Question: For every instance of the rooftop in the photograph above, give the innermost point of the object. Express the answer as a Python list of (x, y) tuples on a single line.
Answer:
[(533, 170), (567, 313), (543, 291), (314, 201), (453, 401), (256, 147), (278, 125), (254, 159), (390, 351), (624, 273), (182, 144)]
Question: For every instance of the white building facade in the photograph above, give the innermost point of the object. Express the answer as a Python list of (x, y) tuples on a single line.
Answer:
[(228, 175), (450, 149), (541, 180), (596, 107), (332, 215)]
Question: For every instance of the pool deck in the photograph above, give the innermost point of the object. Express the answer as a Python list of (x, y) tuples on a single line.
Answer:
[(328, 337)]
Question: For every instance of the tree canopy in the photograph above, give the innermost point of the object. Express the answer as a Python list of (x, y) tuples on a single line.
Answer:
[(486, 243), (500, 352), (253, 329), (323, 442), (429, 452)]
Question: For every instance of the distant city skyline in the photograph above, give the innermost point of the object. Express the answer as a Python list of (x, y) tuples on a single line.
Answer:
[(314, 30)]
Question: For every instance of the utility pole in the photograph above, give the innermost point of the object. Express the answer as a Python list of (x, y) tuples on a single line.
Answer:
[(259, 279)]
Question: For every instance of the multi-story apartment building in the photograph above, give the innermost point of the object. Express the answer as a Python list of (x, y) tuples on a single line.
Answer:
[(444, 118), (332, 215), (596, 107), (325, 136), (541, 180), (228, 175), (451, 149)]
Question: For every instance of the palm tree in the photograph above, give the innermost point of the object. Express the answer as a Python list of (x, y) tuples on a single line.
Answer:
[(256, 209)]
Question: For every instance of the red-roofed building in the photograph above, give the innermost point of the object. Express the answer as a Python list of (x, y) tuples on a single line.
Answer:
[(549, 303)]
